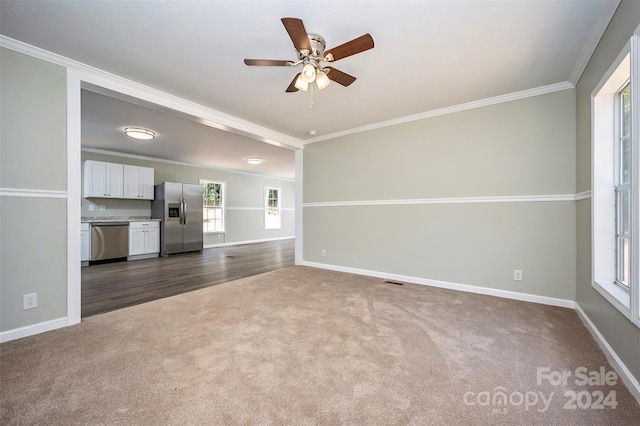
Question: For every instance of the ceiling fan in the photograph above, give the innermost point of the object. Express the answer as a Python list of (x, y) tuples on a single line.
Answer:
[(312, 56)]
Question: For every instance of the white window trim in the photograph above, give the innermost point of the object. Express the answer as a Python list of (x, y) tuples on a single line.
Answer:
[(603, 259), (635, 172), (224, 204), (266, 206)]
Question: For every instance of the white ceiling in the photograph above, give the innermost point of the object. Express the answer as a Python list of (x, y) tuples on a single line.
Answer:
[(181, 138), (428, 55)]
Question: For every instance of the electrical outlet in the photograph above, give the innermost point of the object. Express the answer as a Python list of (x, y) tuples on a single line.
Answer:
[(517, 274), (219, 236), (103, 208), (92, 207), (323, 252), (29, 301)]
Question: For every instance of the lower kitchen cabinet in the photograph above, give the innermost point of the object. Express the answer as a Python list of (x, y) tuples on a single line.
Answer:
[(85, 242), (144, 239)]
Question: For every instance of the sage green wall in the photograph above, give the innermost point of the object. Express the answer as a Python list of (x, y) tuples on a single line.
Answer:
[(244, 203), (33, 230), (523, 147), (622, 335)]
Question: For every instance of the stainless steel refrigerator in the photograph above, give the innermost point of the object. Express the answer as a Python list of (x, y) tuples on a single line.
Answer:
[(179, 206)]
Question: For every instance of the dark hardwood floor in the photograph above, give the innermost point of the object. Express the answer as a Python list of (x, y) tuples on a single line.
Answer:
[(110, 286)]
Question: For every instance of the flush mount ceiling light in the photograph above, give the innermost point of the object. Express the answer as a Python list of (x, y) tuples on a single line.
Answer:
[(138, 133), (254, 160)]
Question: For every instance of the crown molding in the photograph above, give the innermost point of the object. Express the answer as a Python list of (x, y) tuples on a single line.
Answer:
[(592, 40), (110, 81), (543, 90)]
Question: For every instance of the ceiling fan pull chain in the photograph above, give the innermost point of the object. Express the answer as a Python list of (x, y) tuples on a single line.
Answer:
[(311, 96)]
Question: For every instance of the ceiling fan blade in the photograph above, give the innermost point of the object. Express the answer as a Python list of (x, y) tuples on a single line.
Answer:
[(267, 62), (292, 87), (298, 34), (339, 76), (357, 45)]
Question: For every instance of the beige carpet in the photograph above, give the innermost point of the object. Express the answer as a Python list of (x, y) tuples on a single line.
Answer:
[(306, 346)]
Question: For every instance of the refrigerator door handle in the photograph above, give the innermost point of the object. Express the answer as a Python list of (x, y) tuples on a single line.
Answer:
[(181, 211), (184, 211)]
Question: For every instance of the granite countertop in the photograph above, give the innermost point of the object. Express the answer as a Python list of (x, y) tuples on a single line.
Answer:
[(92, 219)]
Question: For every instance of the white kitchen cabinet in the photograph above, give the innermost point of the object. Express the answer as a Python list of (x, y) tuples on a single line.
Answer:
[(138, 182), (146, 183), (103, 180), (144, 239), (85, 242), (153, 239)]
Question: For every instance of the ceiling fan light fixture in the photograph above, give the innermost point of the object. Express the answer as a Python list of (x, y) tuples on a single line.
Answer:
[(322, 80), (301, 84), (310, 49), (254, 160), (308, 73), (138, 133)]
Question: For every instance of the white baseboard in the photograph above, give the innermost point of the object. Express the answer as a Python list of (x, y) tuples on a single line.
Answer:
[(30, 330), (238, 243), (612, 357), (545, 300)]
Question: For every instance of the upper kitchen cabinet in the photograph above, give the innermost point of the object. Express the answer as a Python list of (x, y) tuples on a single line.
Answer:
[(113, 180), (103, 180), (138, 182)]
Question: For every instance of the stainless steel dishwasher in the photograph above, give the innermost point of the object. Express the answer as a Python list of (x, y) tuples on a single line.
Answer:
[(109, 240)]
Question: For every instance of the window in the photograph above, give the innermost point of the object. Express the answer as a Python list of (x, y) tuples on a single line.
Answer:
[(213, 206), (616, 186), (272, 208), (623, 185)]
